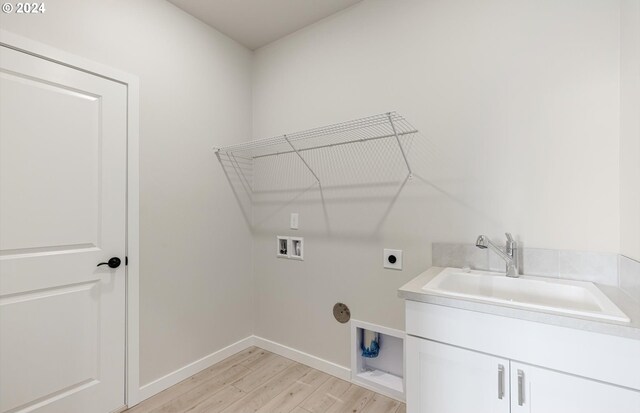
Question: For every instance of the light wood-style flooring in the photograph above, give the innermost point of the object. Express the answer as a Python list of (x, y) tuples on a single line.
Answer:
[(256, 380)]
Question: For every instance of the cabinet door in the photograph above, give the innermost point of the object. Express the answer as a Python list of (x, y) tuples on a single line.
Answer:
[(538, 390), (447, 379)]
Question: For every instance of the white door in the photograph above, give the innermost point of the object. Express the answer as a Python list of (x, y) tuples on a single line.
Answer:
[(448, 379), (62, 211), (538, 390)]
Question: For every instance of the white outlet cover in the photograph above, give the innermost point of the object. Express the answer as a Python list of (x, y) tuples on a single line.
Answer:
[(294, 221), (397, 265)]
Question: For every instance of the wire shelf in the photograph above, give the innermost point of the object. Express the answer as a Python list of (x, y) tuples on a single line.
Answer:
[(387, 126)]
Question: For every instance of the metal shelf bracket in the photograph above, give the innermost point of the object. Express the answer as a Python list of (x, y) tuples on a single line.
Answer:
[(395, 132), (302, 159)]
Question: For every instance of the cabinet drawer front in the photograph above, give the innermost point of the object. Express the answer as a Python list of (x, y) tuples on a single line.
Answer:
[(601, 357)]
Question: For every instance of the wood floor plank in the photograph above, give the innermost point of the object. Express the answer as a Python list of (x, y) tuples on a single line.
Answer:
[(226, 363), (270, 365), (262, 359), (353, 400), (219, 401), (296, 393), (263, 394), (258, 381), (201, 393), (251, 362), (325, 396), (381, 404), (299, 410), (192, 382)]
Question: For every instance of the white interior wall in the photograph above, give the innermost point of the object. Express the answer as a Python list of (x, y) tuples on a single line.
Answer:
[(630, 129), (195, 285), (518, 104)]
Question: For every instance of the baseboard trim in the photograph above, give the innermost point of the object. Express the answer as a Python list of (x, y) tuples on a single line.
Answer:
[(317, 363), (189, 370)]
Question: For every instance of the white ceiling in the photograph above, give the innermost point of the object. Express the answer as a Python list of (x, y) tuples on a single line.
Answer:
[(255, 23)]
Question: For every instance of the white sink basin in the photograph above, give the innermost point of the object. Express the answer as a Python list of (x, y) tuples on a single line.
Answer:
[(558, 296)]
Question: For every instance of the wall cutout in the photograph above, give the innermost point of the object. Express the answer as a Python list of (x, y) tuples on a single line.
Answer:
[(385, 372), (296, 250), (282, 248), (290, 247)]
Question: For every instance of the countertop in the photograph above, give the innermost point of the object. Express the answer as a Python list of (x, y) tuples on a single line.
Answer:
[(413, 291)]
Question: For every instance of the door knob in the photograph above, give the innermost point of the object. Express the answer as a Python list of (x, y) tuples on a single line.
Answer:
[(112, 263)]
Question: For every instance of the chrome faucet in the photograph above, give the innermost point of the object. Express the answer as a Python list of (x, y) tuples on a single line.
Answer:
[(510, 254)]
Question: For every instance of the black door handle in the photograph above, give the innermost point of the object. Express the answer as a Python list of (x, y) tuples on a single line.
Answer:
[(112, 263)]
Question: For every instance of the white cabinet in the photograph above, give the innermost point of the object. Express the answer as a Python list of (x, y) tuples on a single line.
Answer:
[(461, 361), (448, 379), (538, 390)]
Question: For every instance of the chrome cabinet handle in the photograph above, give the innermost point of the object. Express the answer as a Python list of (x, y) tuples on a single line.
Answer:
[(520, 388), (500, 381)]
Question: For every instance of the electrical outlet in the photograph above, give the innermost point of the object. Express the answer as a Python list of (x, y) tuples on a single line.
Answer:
[(392, 259)]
